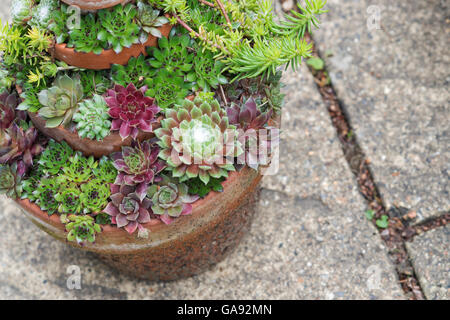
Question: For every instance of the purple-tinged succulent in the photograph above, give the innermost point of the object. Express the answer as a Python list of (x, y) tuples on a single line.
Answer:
[(257, 137), (126, 209), (138, 165), (8, 113), (247, 116), (131, 110), (19, 143), (170, 199)]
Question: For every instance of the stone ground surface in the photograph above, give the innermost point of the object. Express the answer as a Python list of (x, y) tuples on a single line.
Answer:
[(310, 239), (394, 84), (430, 257)]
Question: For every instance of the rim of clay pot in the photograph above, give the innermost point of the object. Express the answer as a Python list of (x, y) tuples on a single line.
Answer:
[(111, 143), (113, 238), (107, 58), (94, 4)]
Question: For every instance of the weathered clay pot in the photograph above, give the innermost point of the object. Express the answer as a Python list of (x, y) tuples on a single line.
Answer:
[(107, 58), (188, 246), (88, 147), (94, 4)]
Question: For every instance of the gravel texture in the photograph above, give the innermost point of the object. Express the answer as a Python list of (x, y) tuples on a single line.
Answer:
[(393, 84)]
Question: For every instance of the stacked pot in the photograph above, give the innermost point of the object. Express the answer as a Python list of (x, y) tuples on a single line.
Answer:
[(184, 248)]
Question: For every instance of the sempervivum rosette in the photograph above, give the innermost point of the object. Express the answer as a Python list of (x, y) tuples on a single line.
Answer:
[(131, 110), (255, 134), (170, 199), (126, 209), (197, 141), (138, 165)]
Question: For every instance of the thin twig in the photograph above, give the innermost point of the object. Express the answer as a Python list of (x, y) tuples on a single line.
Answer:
[(207, 3), (222, 8), (223, 95), (184, 25)]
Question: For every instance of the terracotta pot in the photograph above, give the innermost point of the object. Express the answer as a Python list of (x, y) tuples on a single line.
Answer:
[(187, 247), (94, 4), (107, 58), (88, 147)]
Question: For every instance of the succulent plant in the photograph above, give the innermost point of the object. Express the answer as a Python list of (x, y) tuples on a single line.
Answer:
[(172, 55), (69, 201), (119, 28), (131, 110), (21, 10), (197, 141), (207, 71), (138, 165), (79, 169), (31, 183), (136, 72), (85, 38), (19, 143), (248, 116), (197, 187), (46, 195), (42, 13), (126, 208), (170, 199), (95, 81), (60, 101), (55, 157), (103, 218), (167, 89), (10, 181), (82, 229), (92, 118), (6, 81), (149, 20), (94, 196), (8, 113), (251, 120), (105, 171)]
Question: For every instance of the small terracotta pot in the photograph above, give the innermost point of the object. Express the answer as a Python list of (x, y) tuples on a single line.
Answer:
[(188, 246), (109, 57), (88, 147), (94, 4)]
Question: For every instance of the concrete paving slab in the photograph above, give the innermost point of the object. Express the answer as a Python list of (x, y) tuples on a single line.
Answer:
[(390, 67), (429, 254)]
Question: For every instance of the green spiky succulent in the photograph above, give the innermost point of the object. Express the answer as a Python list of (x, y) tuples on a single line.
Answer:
[(197, 141), (135, 72), (21, 10), (79, 169), (94, 196), (170, 199), (69, 201), (197, 187), (10, 181), (55, 156), (207, 72), (60, 101), (105, 171), (30, 184), (92, 118), (103, 218), (167, 89), (82, 229), (46, 195), (149, 21)]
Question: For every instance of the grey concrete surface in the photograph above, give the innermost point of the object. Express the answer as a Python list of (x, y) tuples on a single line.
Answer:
[(430, 258), (310, 239), (394, 84)]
